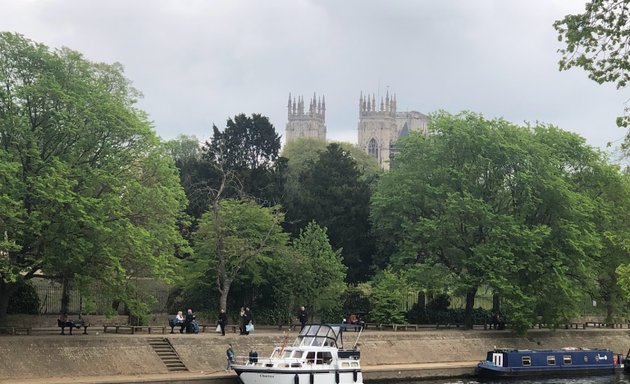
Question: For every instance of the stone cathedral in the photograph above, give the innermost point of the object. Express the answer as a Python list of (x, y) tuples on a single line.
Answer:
[(380, 124)]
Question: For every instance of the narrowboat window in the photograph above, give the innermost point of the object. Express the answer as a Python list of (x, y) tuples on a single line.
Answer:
[(310, 357), (566, 359), (526, 360), (298, 354), (551, 360)]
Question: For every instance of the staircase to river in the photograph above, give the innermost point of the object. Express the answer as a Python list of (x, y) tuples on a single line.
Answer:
[(167, 354)]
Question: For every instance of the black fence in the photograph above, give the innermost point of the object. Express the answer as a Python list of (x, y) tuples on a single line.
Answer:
[(50, 294)]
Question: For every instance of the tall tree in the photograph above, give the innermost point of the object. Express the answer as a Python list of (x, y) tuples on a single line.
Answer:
[(233, 235), (311, 274), (597, 41), (77, 159), (247, 149), (497, 205), (333, 193)]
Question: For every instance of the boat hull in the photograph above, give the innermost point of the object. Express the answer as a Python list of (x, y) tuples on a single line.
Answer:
[(279, 376), (506, 372)]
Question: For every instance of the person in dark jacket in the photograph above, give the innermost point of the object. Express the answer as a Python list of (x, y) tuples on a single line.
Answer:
[(187, 324), (302, 316), (247, 318), (222, 321)]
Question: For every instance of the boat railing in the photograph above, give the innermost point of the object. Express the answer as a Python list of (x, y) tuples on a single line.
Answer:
[(268, 362), (281, 363)]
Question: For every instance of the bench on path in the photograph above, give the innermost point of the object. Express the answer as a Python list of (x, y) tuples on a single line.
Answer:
[(404, 327), (118, 328), (70, 324), (174, 323), (13, 330)]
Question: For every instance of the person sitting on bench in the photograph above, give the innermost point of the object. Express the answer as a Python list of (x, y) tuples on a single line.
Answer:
[(63, 322)]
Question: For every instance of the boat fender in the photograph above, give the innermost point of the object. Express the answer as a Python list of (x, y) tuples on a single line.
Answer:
[(615, 359), (354, 376), (337, 377), (312, 378), (296, 379)]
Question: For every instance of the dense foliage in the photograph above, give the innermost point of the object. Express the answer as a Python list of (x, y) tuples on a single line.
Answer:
[(87, 194), (501, 206), (333, 192)]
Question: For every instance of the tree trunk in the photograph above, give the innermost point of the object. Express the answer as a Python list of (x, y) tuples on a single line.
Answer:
[(65, 295), (225, 289), (470, 304), (496, 303)]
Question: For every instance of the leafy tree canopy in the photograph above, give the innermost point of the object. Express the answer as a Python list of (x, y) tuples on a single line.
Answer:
[(497, 205), (333, 193), (246, 152), (233, 237), (598, 42), (88, 194)]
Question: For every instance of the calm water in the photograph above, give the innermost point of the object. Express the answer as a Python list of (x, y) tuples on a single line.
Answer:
[(607, 379)]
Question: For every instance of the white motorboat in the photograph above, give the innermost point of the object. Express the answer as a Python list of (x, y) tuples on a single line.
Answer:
[(317, 356)]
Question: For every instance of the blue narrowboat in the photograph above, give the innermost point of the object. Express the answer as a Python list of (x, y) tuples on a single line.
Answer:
[(505, 362)]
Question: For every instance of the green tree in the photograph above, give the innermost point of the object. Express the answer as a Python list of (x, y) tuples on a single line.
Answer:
[(312, 274), (597, 41), (496, 205), (334, 194), (247, 149), (232, 236), (303, 152), (88, 195), (388, 294)]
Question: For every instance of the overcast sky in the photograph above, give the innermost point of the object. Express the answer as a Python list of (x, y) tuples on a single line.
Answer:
[(198, 62)]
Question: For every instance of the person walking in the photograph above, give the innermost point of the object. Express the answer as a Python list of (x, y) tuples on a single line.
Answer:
[(302, 317), (222, 321), (229, 353), (242, 320), (247, 320)]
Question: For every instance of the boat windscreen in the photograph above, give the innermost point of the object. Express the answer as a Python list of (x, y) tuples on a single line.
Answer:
[(317, 335)]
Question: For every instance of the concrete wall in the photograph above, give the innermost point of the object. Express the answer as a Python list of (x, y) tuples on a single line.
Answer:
[(110, 354)]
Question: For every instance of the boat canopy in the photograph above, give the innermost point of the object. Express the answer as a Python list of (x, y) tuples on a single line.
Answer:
[(320, 335)]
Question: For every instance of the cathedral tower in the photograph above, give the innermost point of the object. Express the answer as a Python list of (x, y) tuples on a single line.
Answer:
[(311, 123), (380, 126)]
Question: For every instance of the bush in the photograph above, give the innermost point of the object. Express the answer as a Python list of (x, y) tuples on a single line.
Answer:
[(24, 301), (274, 317), (428, 315)]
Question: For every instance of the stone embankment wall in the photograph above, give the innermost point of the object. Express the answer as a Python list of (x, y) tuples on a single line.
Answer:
[(110, 354)]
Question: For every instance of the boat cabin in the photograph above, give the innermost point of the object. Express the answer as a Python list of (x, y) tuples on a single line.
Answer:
[(504, 362), (316, 344)]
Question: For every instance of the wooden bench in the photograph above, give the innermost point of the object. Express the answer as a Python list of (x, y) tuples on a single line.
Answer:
[(404, 327), (597, 324), (13, 330), (118, 328), (70, 324), (148, 328)]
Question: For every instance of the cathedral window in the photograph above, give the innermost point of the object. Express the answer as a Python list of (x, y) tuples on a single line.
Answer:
[(373, 148)]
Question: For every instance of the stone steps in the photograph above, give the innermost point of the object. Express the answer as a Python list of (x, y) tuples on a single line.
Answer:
[(167, 354)]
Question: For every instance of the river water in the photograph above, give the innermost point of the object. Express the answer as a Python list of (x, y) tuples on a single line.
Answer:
[(606, 379)]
